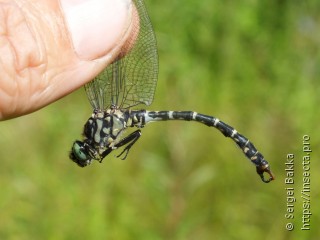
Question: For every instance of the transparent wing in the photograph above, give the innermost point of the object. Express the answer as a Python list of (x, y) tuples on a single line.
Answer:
[(131, 79)]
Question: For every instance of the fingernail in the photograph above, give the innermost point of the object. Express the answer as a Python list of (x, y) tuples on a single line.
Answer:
[(96, 26)]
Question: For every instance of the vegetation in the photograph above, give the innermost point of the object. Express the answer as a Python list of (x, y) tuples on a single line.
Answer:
[(252, 64)]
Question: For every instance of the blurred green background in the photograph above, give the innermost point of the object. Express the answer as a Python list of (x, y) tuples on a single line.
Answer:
[(254, 65)]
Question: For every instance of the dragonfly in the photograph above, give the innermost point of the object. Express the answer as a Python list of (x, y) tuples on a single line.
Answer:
[(131, 81)]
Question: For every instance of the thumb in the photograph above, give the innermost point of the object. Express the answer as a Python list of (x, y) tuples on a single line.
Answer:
[(95, 26), (55, 47), (97, 30)]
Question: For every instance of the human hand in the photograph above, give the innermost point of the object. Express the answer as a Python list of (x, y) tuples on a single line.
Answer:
[(49, 48)]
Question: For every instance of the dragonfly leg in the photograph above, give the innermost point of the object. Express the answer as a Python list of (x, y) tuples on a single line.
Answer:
[(105, 153), (130, 140)]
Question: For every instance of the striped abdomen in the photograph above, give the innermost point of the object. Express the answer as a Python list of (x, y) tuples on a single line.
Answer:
[(143, 117)]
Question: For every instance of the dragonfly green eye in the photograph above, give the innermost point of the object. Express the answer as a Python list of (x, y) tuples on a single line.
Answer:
[(79, 154)]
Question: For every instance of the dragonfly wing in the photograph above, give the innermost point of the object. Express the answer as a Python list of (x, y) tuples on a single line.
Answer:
[(131, 79)]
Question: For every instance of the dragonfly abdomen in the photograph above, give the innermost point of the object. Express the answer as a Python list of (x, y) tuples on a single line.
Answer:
[(241, 141)]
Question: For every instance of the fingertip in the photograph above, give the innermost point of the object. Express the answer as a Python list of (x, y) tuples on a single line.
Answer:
[(96, 27)]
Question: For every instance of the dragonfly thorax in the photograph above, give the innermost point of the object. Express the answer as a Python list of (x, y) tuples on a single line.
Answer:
[(104, 127), (101, 132)]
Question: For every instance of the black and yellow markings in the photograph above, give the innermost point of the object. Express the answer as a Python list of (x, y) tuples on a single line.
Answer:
[(104, 129), (242, 142)]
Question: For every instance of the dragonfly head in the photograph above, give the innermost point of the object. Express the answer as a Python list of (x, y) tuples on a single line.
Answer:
[(81, 153), (261, 169)]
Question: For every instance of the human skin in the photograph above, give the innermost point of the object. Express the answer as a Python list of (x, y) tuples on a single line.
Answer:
[(49, 48)]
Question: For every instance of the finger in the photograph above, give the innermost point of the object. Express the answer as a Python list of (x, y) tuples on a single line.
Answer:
[(51, 48)]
